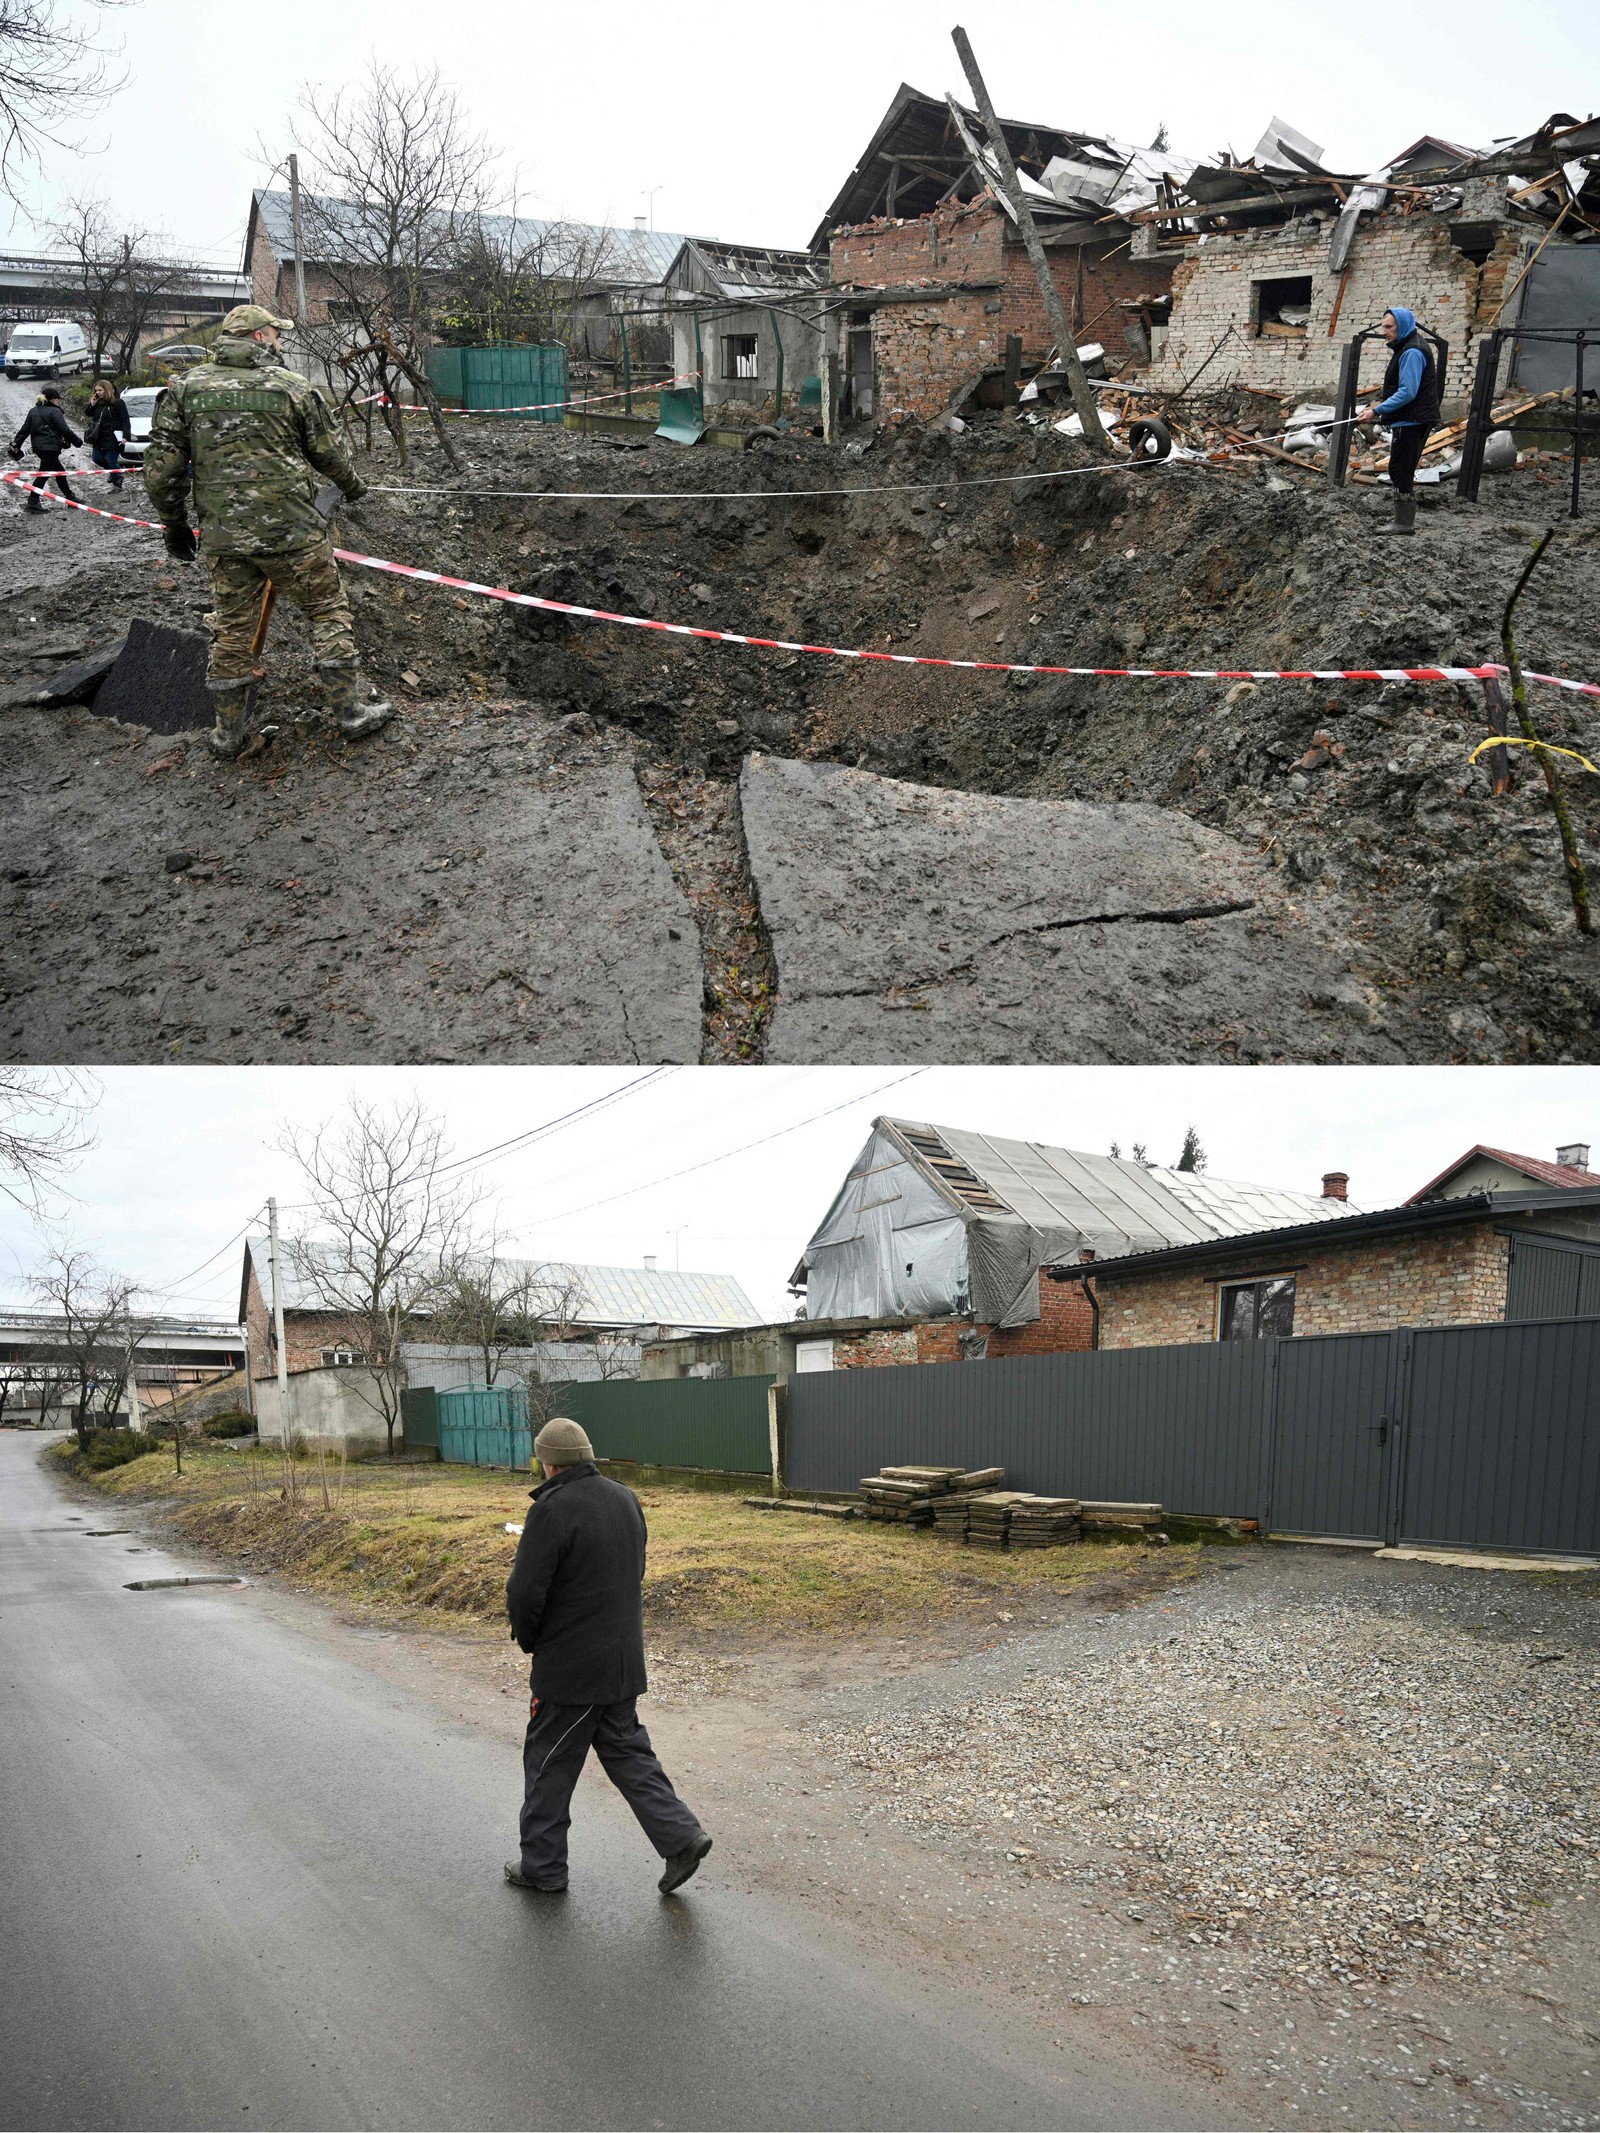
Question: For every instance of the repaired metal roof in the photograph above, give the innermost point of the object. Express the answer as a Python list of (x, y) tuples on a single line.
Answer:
[(1114, 1204)]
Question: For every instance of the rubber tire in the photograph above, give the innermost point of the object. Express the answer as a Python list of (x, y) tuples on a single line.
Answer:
[(1149, 438)]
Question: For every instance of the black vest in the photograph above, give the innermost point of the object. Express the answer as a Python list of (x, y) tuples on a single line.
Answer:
[(1424, 409)]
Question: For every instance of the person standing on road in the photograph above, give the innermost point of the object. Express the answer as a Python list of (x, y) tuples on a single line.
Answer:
[(1410, 408), (107, 428), (253, 436), (575, 1599), (47, 429)]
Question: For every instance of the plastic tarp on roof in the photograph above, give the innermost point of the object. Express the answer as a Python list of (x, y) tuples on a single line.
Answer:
[(892, 1245), (895, 1244)]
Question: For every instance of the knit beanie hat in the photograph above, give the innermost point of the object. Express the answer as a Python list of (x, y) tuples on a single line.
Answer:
[(561, 1443)]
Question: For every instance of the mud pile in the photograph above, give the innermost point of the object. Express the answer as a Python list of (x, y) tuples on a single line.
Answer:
[(1449, 901)]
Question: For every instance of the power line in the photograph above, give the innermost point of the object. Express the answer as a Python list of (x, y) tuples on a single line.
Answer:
[(173, 1288), (600, 1103), (728, 1154)]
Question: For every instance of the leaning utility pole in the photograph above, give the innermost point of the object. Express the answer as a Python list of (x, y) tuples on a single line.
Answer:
[(299, 249), (1083, 398)]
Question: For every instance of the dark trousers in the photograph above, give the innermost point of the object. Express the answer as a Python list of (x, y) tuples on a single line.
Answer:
[(1405, 449), (560, 1736), (49, 470), (109, 455)]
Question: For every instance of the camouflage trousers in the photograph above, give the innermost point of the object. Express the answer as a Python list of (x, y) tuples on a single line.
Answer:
[(307, 576)]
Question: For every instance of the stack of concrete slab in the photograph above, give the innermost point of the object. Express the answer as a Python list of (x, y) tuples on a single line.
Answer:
[(1044, 1522), (915, 1495), (1131, 1520), (989, 1518)]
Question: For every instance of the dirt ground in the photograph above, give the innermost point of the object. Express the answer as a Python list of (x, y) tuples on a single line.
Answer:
[(1448, 902), (1060, 1923)]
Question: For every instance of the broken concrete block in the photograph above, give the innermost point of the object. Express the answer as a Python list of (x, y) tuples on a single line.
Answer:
[(159, 681), (910, 923), (80, 682)]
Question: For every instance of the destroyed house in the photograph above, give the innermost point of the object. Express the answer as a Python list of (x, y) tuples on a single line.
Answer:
[(750, 319), (944, 1234), (1275, 261), (935, 287)]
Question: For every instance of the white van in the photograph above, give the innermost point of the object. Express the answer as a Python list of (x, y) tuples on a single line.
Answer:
[(52, 348)]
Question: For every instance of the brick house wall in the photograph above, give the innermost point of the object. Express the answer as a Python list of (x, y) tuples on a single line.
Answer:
[(1065, 1327), (272, 282), (305, 1334), (1450, 1277), (925, 353), (1395, 259)]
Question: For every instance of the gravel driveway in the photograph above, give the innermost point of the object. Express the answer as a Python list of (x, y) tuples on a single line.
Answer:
[(1309, 1784)]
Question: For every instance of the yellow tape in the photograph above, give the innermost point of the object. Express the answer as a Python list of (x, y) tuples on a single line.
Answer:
[(1517, 740)]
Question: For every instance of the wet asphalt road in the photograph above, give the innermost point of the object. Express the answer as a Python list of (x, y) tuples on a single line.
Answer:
[(250, 1884)]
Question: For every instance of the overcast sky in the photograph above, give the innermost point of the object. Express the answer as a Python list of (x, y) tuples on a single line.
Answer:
[(746, 121), (185, 1155)]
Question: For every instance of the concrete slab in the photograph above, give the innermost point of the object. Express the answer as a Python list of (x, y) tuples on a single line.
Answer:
[(447, 891), (912, 923), (1472, 1559)]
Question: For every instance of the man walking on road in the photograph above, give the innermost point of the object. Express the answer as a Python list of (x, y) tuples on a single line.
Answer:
[(254, 436), (575, 1599)]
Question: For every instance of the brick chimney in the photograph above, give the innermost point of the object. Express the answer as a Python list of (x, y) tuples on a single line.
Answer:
[(1336, 1185), (1575, 1155)]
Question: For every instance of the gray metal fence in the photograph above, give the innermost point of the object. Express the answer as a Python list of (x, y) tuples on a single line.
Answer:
[(1472, 1436)]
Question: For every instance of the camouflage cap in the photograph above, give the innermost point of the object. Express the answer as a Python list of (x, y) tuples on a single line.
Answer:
[(251, 318)]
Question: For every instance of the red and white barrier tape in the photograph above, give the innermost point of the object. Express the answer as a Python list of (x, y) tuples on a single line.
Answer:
[(537, 407), (897, 659)]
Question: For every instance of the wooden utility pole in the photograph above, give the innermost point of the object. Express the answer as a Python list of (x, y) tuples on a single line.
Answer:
[(299, 248), (1083, 398)]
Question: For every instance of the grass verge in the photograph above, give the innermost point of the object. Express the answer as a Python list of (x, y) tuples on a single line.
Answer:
[(433, 1539)]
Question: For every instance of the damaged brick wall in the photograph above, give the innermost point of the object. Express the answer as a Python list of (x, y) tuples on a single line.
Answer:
[(1398, 259), (1065, 1326), (1452, 1277), (926, 352)]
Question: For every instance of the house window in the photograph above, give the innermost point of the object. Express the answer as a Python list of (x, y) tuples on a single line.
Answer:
[(813, 1355), (1251, 1310), (739, 357), (339, 1358), (1281, 310)]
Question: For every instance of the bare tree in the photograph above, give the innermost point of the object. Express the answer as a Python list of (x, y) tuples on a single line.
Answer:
[(497, 1305), (384, 1217), (398, 183), (51, 72), (100, 1331), (45, 1125), (119, 278), (515, 280)]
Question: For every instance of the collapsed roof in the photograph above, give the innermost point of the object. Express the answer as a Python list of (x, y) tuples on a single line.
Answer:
[(745, 273), (927, 149)]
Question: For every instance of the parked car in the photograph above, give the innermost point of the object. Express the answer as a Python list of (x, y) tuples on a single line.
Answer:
[(141, 401), (51, 348), (176, 355)]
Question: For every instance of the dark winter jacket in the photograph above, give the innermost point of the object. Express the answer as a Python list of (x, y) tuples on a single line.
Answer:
[(575, 1595), (1411, 382), (47, 430), (107, 420)]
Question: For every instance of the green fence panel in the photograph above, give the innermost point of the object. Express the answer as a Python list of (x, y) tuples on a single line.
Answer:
[(522, 375), (719, 1424), (485, 1425), (419, 1418)]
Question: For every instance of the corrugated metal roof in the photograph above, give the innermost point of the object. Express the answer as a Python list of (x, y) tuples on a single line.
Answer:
[(612, 1295), (611, 253), (1531, 1166), (1118, 1206)]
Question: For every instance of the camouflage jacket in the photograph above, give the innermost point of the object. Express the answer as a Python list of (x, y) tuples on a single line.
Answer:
[(254, 438)]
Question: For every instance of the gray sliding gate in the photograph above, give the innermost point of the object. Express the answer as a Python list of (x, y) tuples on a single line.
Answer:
[(1472, 1436)]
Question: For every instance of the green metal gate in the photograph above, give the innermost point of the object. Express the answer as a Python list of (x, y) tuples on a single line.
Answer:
[(525, 376), (717, 1424)]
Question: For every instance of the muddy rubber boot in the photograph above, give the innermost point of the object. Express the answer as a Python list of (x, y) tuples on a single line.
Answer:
[(341, 679), (233, 702), (1405, 517)]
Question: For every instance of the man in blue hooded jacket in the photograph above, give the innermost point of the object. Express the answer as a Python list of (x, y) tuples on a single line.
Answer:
[(1409, 408)]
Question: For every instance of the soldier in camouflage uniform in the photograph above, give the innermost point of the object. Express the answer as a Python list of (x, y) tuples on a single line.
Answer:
[(253, 436)]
